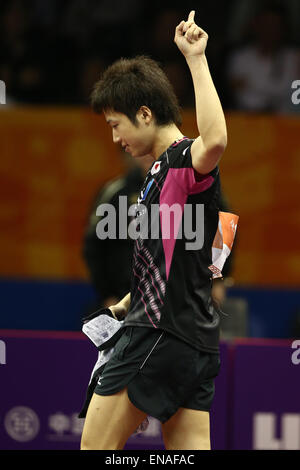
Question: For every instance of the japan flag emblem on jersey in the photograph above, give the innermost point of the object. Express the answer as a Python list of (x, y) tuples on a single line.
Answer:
[(155, 168)]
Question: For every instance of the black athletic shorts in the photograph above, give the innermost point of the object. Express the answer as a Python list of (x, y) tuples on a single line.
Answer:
[(161, 372)]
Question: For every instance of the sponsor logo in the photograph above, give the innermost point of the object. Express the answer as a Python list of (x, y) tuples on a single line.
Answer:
[(156, 168), (100, 379), (22, 424), (267, 437), (64, 428)]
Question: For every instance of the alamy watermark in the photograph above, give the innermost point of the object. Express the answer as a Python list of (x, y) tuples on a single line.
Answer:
[(296, 354), (2, 352), (296, 93), (2, 92), (153, 222)]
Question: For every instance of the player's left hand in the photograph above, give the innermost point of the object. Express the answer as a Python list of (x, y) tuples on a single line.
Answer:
[(190, 39)]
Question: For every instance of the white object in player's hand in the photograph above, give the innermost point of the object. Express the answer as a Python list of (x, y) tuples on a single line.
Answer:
[(190, 39)]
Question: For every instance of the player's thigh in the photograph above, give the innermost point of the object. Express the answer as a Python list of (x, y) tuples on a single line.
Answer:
[(187, 429), (110, 421)]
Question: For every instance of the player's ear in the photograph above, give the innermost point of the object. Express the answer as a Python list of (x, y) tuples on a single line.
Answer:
[(145, 115)]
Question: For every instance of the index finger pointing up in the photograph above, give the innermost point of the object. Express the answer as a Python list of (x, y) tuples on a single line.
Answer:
[(191, 15)]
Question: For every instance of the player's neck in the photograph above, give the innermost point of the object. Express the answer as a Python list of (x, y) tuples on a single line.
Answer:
[(166, 135)]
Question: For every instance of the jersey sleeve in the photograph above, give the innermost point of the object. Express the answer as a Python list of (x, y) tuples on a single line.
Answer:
[(185, 175)]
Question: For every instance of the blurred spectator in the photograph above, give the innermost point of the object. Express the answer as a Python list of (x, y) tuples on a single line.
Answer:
[(179, 76), (104, 26), (239, 12), (161, 27), (90, 70), (109, 261), (261, 72), (51, 50), (159, 45), (23, 54), (160, 41)]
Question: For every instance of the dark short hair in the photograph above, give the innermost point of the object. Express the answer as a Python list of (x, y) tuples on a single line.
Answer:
[(128, 84)]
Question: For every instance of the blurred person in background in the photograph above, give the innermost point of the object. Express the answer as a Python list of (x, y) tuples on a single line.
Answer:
[(85, 21), (38, 61), (109, 261), (160, 47), (90, 69), (163, 20), (23, 54), (260, 72), (239, 12)]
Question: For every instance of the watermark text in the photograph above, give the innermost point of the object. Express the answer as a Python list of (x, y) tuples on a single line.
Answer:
[(156, 221), (2, 352), (296, 93), (296, 354), (2, 92)]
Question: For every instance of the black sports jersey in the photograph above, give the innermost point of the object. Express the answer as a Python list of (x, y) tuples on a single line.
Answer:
[(171, 283)]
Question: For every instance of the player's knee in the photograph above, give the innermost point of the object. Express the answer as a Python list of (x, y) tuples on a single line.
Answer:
[(85, 446), (186, 437), (87, 443), (99, 444), (194, 442), (92, 440)]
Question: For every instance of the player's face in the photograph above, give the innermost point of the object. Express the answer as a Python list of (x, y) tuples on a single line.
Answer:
[(136, 139)]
